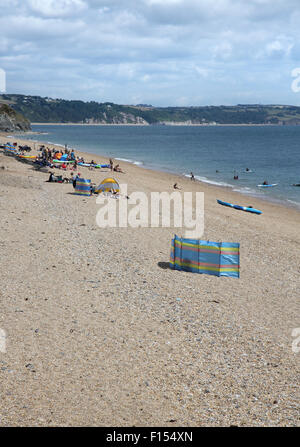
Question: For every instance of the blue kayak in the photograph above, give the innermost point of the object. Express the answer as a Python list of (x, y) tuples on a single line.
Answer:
[(267, 186), (242, 208)]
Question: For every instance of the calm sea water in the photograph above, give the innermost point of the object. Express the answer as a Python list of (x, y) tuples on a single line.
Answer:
[(272, 153)]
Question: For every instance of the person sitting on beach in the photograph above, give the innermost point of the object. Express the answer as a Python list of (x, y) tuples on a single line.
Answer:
[(92, 164), (50, 177), (93, 188), (175, 186), (75, 179), (118, 169)]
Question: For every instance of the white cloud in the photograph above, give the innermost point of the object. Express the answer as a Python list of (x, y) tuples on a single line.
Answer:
[(154, 50), (57, 8)]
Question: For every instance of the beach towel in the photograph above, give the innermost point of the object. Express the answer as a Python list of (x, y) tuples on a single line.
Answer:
[(83, 187), (212, 258)]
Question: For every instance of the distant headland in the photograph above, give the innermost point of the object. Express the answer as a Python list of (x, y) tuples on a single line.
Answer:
[(45, 110)]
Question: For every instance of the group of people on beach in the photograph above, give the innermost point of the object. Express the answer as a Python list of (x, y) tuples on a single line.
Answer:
[(55, 154), (61, 179), (67, 160), (49, 156)]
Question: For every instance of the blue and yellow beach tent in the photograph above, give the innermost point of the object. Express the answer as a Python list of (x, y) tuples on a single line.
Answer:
[(212, 258), (108, 185)]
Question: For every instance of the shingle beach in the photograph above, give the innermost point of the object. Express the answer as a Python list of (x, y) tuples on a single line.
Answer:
[(99, 332)]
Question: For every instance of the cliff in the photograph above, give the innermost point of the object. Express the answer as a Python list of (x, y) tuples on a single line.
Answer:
[(11, 121)]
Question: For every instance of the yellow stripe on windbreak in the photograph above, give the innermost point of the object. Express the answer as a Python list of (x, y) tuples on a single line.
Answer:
[(187, 244), (213, 269)]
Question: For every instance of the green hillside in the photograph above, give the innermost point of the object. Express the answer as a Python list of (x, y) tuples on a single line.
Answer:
[(48, 110)]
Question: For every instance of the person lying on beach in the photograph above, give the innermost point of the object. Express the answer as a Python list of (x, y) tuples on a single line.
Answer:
[(55, 178), (114, 194)]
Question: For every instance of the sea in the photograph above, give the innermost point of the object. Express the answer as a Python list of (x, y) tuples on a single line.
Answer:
[(215, 154)]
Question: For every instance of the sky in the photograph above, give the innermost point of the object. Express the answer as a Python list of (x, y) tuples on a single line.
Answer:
[(159, 52)]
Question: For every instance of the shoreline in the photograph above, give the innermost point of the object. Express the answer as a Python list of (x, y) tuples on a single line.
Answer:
[(176, 176), (155, 124)]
